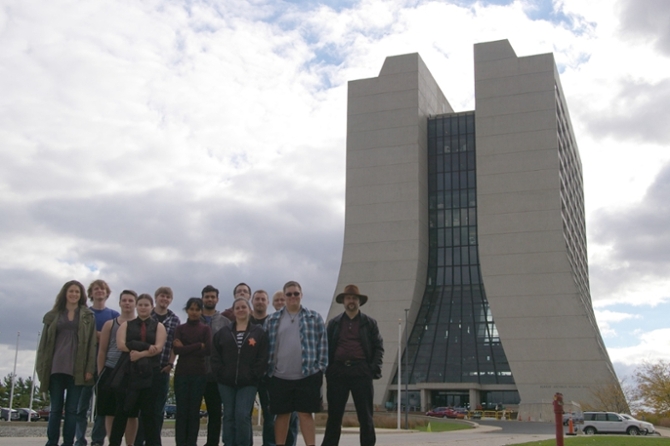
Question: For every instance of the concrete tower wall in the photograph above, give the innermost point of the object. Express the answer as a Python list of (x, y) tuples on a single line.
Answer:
[(386, 221), (546, 327)]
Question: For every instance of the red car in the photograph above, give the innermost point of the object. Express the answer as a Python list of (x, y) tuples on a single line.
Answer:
[(442, 412)]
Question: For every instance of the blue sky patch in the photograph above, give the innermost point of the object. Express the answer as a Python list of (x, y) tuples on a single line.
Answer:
[(643, 318)]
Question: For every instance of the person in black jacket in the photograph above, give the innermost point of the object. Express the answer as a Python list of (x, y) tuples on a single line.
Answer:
[(239, 361), (355, 353)]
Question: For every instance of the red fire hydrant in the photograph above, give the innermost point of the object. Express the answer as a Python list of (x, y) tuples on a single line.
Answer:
[(558, 416)]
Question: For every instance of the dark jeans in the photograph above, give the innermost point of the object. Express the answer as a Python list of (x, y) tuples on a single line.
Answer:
[(339, 382), (145, 402), (160, 386), (238, 402), (98, 432), (268, 418), (188, 390), (59, 384), (214, 413)]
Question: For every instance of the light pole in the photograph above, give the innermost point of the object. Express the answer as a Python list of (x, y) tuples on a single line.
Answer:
[(406, 373), (11, 393), (32, 385), (399, 369)]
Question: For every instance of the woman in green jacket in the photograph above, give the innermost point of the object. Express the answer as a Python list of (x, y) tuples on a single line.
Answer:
[(66, 358)]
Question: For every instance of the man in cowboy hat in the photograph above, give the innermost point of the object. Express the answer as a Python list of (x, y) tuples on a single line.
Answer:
[(355, 352)]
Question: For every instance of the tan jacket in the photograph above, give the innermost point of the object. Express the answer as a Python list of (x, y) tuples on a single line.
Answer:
[(86, 348)]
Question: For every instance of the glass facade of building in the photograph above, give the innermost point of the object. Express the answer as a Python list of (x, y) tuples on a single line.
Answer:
[(454, 339)]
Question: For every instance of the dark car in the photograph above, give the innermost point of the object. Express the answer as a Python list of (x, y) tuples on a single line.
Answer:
[(23, 414), (44, 413), (577, 418), (170, 410), (442, 412), (4, 414)]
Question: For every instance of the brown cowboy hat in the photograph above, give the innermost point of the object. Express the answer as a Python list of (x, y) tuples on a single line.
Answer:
[(351, 290)]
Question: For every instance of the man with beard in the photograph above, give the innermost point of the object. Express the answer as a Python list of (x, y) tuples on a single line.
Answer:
[(259, 303), (216, 321), (355, 353), (298, 355)]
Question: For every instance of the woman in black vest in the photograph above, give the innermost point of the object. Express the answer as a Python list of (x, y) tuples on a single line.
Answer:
[(142, 339)]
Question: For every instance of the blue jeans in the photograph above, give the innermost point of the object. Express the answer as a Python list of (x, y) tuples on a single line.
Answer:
[(188, 391), (238, 402), (59, 384), (98, 432)]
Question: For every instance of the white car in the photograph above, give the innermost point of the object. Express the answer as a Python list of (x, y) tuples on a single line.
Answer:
[(646, 427), (613, 423)]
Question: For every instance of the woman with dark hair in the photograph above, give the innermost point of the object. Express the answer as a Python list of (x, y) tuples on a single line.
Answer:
[(192, 342), (142, 340), (66, 358), (239, 361)]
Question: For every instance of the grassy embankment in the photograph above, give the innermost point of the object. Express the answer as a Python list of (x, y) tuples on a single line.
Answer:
[(604, 440)]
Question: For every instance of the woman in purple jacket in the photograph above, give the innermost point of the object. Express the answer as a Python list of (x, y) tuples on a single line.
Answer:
[(192, 342), (239, 361)]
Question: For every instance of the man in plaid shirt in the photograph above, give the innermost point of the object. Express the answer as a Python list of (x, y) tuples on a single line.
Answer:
[(296, 373)]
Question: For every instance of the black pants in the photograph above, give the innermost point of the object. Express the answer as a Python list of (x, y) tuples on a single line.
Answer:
[(144, 403), (214, 414), (340, 380)]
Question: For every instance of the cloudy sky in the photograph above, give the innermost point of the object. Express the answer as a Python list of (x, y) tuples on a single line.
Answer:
[(186, 142)]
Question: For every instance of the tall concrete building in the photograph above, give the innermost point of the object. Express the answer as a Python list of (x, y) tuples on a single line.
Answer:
[(474, 223)]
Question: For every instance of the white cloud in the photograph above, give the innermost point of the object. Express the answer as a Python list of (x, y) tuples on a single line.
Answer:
[(605, 319), (652, 346), (190, 143)]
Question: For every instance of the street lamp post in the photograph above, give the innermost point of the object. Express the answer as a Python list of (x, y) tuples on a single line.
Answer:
[(406, 373)]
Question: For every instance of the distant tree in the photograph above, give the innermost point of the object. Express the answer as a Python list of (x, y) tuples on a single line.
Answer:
[(653, 386), (610, 397), (21, 393), (171, 398)]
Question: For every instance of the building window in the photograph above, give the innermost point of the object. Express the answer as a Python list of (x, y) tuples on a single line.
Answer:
[(454, 337)]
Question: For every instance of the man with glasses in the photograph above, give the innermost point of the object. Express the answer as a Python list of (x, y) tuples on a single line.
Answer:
[(298, 357)]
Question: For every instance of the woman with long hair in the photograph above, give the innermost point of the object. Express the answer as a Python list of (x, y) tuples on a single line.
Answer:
[(108, 356), (192, 342), (142, 340), (66, 358), (239, 361)]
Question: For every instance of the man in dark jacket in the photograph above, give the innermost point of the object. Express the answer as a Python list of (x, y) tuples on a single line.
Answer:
[(355, 353)]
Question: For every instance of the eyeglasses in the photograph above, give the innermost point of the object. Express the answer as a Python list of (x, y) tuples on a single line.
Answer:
[(296, 294)]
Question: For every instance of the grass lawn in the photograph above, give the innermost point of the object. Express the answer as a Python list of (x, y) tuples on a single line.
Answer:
[(604, 440), (443, 426)]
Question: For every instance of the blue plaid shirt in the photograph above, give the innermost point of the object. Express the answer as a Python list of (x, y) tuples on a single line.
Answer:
[(313, 341), (171, 323)]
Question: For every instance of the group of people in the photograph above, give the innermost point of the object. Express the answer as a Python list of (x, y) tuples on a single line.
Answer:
[(226, 357)]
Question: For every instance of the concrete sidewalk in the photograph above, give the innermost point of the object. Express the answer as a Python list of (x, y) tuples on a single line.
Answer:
[(481, 436)]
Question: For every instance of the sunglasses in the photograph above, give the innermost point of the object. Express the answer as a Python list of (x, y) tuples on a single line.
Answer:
[(296, 294)]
